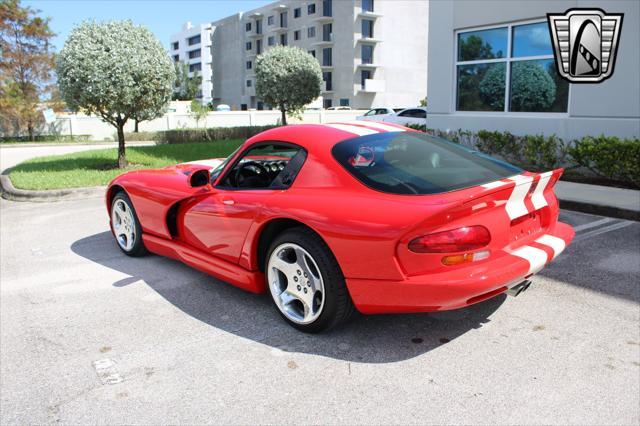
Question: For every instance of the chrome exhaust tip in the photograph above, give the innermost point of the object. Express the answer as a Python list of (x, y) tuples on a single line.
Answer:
[(518, 288)]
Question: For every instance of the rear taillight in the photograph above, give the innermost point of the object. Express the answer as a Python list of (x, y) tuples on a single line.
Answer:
[(453, 241)]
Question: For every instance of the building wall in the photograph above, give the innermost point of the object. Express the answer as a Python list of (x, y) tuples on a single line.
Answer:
[(611, 107), (205, 59), (399, 56)]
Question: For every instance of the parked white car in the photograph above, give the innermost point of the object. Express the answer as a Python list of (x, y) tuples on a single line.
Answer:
[(376, 114), (339, 108), (408, 116)]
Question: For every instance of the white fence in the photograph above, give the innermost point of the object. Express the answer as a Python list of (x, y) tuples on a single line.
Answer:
[(99, 130)]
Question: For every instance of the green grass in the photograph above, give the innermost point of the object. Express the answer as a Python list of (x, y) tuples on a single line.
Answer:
[(98, 167)]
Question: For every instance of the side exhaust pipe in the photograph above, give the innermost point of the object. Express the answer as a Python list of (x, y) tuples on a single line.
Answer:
[(518, 288)]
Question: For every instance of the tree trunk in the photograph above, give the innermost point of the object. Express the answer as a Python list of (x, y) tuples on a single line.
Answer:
[(135, 130), (30, 130), (122, 159), (284, 115)]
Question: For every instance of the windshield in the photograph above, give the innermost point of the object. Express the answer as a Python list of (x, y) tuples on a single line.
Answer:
[(216, 172), (416, 163)]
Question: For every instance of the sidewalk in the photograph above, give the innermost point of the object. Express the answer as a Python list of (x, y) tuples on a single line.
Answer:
[(602, 200)]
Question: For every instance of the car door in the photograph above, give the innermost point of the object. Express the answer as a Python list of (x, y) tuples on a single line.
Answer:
[(218, 223)]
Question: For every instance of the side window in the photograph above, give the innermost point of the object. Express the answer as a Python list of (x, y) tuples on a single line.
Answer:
[(407, 113), (265, 166), (371, 112), (420, 114)]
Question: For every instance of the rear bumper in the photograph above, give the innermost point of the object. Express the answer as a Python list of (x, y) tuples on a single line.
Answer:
[(459, 287)]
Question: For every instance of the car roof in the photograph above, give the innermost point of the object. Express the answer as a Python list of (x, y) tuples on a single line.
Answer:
[(314, 135)]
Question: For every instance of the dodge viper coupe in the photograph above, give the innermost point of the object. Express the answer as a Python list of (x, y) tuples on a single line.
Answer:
[(330, 219)]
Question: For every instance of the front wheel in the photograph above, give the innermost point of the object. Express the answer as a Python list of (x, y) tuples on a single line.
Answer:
[(306, 283), (126, 226)]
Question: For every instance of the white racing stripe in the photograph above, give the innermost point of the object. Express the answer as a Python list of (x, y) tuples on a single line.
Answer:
[(515, 205), (537, 198), (207, 163), (495, 184), (536, 257), (557, 244), (375, 125), (360, 131)]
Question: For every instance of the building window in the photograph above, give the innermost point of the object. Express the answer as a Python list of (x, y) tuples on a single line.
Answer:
[(296, 35), (175, 45), (367, 5), (195, 67), (297, 12), (367, 53), (193, 40), (311, 9), (271, 41), (249, 83), (311, 32), (283, 20), (247, 46), (327, 103), (247, 26), (260, 106), (344, 102), (283, 39), (249, 65), (243, 107), (176, 58), (194, 54), (328, 81), (367, 28), (327, 59), (327, 32), (258, 47), (508, 69), (327, 8), (259, 26), (364, 75), (270, 20), (312, 53)]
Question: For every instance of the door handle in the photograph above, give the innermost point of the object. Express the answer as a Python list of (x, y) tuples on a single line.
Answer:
[(228, 201)]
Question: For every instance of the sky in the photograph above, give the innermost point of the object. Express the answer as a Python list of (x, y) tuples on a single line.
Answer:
[(162, 17)]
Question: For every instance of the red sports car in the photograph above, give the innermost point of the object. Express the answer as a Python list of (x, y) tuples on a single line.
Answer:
[(337, 217)]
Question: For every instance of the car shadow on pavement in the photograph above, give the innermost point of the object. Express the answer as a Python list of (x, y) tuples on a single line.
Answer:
[(367, 339)]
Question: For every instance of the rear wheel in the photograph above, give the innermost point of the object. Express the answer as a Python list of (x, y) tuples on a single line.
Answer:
[(126, 226), (306, 283)]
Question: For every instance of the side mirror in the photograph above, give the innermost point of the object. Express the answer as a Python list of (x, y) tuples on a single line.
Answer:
[(199, 178)]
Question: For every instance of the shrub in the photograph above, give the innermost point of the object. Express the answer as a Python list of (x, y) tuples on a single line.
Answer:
[(139, 136), (208, 135), (610, 157), (47, 138), (542, 153), (503, 144)]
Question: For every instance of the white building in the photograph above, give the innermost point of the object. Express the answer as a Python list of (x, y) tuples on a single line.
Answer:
[(192, 46), (372, 52)]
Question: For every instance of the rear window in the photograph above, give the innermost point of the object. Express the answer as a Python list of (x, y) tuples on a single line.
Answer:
[(416, 163)]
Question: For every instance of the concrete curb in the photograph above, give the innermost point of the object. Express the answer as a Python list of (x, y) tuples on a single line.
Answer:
[(12, 193), (601, 210)]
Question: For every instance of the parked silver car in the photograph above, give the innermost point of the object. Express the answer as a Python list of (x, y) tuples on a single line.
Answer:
[(407, 116), (376, 114)]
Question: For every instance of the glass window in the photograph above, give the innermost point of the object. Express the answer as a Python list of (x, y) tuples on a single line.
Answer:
[(311, 32), (270, 20), (485, 69), (258, 47), (364, 75), (327, 59), (193, 40), (417, 164), (259, 26), (247, 46), (367, 28), (311, 9), (327, 8), (344, 102), (481, 87), (327, 32), (271, 40), (485, 44), (249, 65), (327, 77), (249, 83), (297, 12), (283, 39), (195, 67), (296, 35), (194, 54), (367, 53), (283, 20), (312, 53), (176, 58), (537, 87), (247, 26), (327, 103), (531, 40), (367, 5), (175, 45)]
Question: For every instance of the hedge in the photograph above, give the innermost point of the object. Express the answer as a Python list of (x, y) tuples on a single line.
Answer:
[(46, 138), (198, 135), (607, 156)]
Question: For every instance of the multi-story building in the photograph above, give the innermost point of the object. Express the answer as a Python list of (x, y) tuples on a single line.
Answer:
[(192, 46), (372, 52)]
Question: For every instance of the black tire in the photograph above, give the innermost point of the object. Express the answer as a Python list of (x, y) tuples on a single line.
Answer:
[(138, 248), (338, 307)]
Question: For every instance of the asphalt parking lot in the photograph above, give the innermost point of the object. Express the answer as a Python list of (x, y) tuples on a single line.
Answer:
[(91, 336)]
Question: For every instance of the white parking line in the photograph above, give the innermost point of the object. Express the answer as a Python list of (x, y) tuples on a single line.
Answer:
[(592, 224), (595, 232)]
